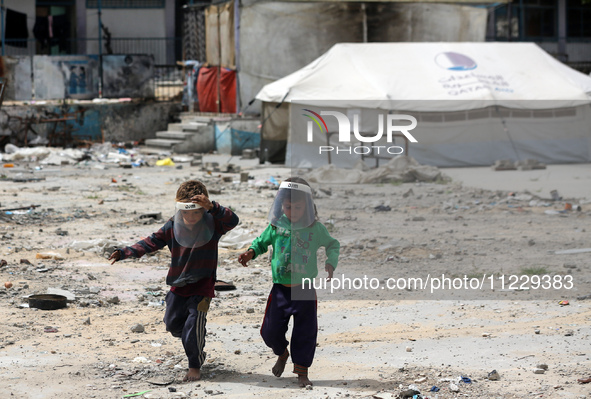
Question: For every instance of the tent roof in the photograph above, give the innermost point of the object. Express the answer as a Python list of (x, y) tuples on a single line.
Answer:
[(449, 75)]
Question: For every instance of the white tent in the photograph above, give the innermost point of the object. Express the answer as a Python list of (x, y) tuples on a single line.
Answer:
[(474, 103)]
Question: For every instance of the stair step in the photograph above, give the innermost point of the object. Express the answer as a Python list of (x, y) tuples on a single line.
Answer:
[(162, 143), (175, 127), (192, 126), (174, 135)]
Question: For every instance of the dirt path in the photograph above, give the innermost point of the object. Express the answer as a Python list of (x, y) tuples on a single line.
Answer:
[(372, 342)]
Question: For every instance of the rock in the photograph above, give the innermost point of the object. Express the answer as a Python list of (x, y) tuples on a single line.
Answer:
[(418, 219), (542, 366), (420, 380), (408, 349), (309, 387), (539, 371), (114, 300), (250, 310), (453, 387), (86, 322), (138, 328), (409, 192), (494, 375)]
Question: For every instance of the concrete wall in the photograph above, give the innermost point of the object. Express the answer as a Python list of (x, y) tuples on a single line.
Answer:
[(18, 73), (77, 76), (67, 76), (425, 22), (118, 122), (276, 38)]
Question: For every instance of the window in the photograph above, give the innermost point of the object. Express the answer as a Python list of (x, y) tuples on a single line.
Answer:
[(529, 20), (539, 18), (578, 19), (503, 28), (126, 3)]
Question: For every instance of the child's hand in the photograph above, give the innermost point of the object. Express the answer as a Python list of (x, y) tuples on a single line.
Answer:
[(245, 257), (203, 201), (330, 271), (115, 256)]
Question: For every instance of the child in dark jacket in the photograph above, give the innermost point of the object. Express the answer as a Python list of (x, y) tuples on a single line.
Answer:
[(192, 237)]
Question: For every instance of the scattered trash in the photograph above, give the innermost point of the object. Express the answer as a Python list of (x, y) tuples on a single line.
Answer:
[(572, 251), (8, 285), (563, 303), (273, 181), (434, 389), (530, 164), (49, 255), (50, 329), (21, 208), (56, 291), (137, 394), (237, 238), (409, 393), (453, 387), (382, 208), (504, 164), (48, 301), (224, 286), (165, 162), (466, 380), (555, 195)]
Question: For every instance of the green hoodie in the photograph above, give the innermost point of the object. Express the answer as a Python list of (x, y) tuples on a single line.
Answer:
[(294, 251)]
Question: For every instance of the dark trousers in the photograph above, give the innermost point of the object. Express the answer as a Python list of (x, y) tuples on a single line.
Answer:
[(280, 307), (185, 318)]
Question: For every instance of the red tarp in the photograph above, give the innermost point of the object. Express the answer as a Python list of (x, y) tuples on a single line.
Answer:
[(207, 90)]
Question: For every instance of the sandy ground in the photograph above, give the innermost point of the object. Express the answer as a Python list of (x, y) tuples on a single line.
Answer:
[(373, 342)]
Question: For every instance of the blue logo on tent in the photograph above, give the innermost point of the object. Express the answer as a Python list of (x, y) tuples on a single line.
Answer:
[(455, 61)]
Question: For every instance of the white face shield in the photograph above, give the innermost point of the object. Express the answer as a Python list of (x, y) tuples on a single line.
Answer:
[(193, 225), (293, 202)]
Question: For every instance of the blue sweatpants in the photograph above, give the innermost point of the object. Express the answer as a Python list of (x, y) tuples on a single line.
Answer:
[(185, 318), (280, 307)]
